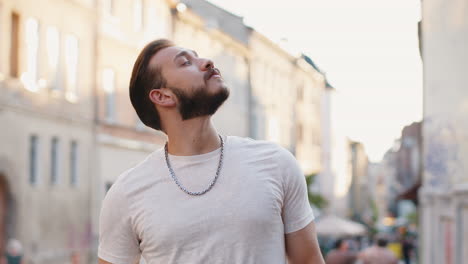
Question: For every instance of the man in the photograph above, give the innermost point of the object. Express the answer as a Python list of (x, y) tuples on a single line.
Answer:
[(341, 254), (378, 254), (203, 198)]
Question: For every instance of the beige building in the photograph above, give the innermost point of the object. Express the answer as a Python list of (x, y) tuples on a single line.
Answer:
[(46, 112), (310, 85), (444, 194), (286, 96), (335, 177), (359, 196), (273, 93)]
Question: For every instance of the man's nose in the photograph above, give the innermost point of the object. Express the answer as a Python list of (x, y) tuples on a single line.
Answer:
[(207, 64)]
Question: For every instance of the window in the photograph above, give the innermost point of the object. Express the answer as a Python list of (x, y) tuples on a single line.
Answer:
[(14, 42), (54, 165), (33, 162), (53, 53), (29, 78), (138, 15), (108, 84), (109, 7), (71, 60), (300, 133), (300, 93), (74, 163)]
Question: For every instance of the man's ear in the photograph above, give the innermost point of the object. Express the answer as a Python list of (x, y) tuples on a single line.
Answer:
[(162, 97)]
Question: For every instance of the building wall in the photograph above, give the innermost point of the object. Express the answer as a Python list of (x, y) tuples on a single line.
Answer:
[(377, 189), (409, 157), (310, 85), (359, 199), (343, 175), (58, 212), (402, 167), (326, 176), (286, 101), (444, 195), (48, 105), (273, 110), (334, 181)]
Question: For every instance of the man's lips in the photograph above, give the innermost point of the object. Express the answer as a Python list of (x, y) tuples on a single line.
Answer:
[(211, 73)]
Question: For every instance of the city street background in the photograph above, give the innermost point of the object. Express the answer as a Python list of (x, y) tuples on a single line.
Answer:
[(370, 96)]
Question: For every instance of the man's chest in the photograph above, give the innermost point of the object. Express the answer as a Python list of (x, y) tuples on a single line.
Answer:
[(242, 206)]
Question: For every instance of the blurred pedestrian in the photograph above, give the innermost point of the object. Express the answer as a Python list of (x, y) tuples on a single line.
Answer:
[(14, 252), (407, 244), (378, 253), (341, 254)]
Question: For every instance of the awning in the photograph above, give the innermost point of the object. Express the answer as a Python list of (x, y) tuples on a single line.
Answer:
[(411, 193), (332, 225)]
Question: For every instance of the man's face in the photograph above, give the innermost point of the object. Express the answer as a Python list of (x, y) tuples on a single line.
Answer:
[(344, 245), (195, 82)]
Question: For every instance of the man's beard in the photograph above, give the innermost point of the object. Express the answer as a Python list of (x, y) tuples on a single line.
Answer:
[(199, 102)]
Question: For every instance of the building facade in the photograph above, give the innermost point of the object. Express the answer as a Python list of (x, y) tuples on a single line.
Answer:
[(359, 196), (286, 100), (410, 157), (272, 70), (310, 85), (408, 175), (46, 112), (444, 193)]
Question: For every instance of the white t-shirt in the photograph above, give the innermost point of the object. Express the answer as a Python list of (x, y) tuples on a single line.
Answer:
[(260, 196)]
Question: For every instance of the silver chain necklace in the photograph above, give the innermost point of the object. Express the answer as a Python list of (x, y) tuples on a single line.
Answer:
[(180, 184)]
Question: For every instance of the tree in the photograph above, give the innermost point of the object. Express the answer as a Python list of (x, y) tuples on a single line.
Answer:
[(316, 199)]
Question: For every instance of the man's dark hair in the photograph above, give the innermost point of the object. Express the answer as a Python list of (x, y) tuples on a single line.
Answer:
[(382, 242), (338, 243), (144, 79)]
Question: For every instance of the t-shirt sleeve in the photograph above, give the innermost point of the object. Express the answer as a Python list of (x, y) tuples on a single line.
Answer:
[(118, 243), (297, 212)]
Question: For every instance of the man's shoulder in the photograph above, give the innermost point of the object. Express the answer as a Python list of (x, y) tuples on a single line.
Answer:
[(262, 151), (141, 169), (254, 144)]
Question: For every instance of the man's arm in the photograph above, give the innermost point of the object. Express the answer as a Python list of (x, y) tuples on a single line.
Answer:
[(101, 261), (302, 246)]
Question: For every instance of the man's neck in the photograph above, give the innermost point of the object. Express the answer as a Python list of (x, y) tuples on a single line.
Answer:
[(192, 137)]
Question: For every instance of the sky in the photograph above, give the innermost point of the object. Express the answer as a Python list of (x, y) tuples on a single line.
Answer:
[(369, 51)]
